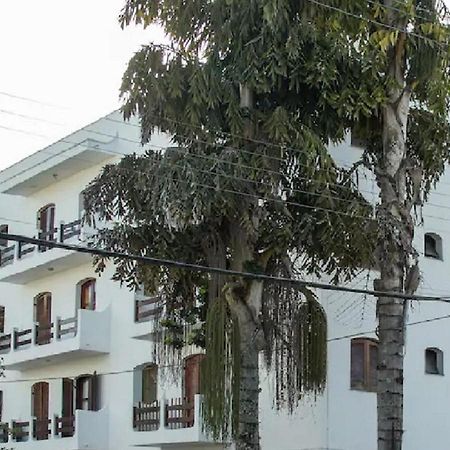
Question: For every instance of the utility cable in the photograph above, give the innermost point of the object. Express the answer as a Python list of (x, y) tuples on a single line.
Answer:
[(216, 270)]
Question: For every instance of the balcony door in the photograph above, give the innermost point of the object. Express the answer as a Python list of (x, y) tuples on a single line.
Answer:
[(39, 393), (87, 294), (46, 224), (43, 317)]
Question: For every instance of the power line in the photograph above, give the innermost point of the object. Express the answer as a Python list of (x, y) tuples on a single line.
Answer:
[(19, 130), (229, 176), (31, 100), (215, 270), (376, 22), (419, 322), (26, 116)]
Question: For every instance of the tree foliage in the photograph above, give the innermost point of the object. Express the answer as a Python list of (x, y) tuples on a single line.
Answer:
[(246, 186)]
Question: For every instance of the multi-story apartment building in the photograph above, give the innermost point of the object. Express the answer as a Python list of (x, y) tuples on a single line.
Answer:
[(77, 362)]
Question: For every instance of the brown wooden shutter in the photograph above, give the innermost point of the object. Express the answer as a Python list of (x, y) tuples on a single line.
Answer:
[(2, 319), (94, 393), (357, 364), (67, 397)]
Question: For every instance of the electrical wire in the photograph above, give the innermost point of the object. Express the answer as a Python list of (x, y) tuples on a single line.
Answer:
[(216, 270)]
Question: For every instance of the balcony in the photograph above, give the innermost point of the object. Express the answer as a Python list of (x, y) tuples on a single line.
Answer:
[(146, 311), (85, 430), (21, 263), (166, 423), (86, 334)]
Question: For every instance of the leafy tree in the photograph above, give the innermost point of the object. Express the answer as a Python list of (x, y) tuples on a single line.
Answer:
[(402, 48), (248, 185)]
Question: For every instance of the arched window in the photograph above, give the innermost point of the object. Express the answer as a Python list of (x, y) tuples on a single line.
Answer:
[(364, 356), (434, 361), (87, 294), (433, 246), (40, 410), (46, 224)]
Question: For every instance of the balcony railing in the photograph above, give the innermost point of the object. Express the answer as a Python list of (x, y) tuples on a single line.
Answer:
[(87, 333), (39, 334), (18, 251), (176, 421), (147, 309), (76, 430)]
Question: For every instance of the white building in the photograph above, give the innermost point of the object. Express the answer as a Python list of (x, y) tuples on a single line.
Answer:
[(77, 359)]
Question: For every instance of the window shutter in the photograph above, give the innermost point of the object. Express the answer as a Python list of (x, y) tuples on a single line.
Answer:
[(2, 319), (4, 229), (357, 364), (94, 392), (1, 405), (67, 397)]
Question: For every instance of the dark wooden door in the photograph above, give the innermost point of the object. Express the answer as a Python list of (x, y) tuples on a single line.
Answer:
[(88, 295), (40, 410), (43, 315)]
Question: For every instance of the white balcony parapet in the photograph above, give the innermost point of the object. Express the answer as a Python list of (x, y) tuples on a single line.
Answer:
[(85, 430), (86, 334), (21, 262), (170, 422)]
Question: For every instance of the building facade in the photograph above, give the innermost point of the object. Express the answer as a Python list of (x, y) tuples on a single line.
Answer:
[(78, 369)]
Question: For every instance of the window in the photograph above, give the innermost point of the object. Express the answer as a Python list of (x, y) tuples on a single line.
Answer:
[(433, 246), (149, 384), (3, 229), (46, 224), (434, 361), (87, 392), (364, 356), (87, 294), (2, 319)]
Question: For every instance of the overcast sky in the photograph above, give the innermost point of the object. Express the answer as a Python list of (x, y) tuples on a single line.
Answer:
[(69, 54)]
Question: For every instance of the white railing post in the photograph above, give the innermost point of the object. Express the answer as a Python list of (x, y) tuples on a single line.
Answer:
[(31, 431), (17, 245), (162, 413), (10, 430), (197, 409), (34, 333)]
